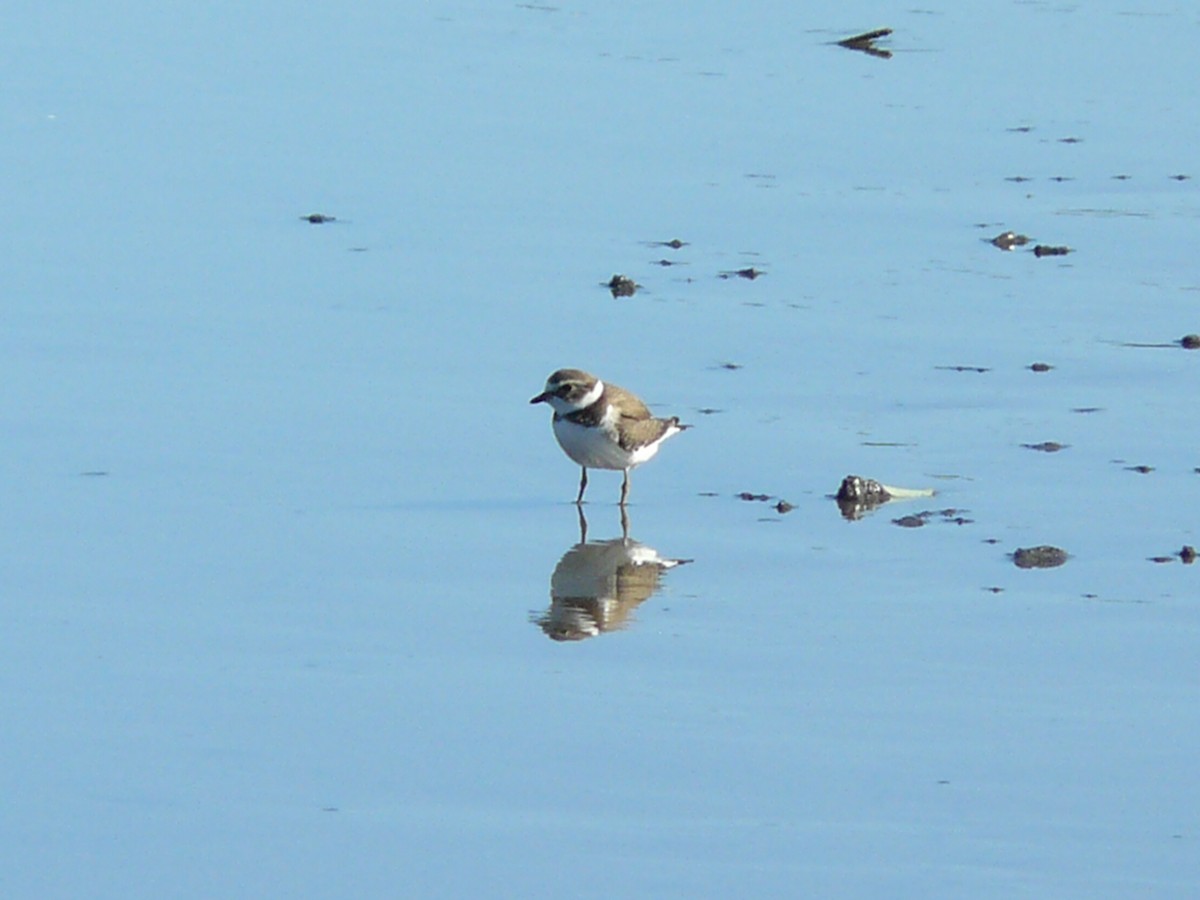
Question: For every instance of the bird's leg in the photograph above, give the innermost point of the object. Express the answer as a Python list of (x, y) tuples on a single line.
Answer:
[(582, 485), (625, 488), (624, 525)]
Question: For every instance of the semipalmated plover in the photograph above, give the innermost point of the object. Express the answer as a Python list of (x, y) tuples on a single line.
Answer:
[(602, 426)]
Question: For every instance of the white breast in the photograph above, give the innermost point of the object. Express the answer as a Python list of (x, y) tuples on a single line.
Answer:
[(595, 448)]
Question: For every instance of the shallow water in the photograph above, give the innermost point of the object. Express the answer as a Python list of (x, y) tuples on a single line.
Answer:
[(283, 525)]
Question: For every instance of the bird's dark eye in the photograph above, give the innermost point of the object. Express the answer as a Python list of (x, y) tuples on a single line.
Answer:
[(563, 390)]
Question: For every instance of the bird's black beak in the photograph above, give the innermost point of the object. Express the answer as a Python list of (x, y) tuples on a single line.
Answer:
[(540, 398)]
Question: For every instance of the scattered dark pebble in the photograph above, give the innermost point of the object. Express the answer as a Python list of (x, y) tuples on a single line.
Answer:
[(1043, 557), (318, 218), (666, 262), (1141, 470), (994, 590), (1188, 554), (1018, 179), (1180, 177), (1040, 367), (783, 507), (1046, 446), (622, 286), (674, 244), (1190, 342), (1045, 250), (1121, 177), (1061, 178), (1162, 559), (709, 411), (746, 495), (1086, 409), (1070, 140), (865, 43), (750, 273), (709, 494), (991, 540), (1020, 129), (1008, 239), (979, 369), (950, 516), (731, 366)]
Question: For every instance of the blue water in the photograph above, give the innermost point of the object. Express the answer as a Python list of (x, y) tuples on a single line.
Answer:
[(282, 523)]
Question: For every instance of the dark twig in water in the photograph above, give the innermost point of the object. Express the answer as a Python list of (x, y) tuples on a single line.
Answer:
[(865, 43)]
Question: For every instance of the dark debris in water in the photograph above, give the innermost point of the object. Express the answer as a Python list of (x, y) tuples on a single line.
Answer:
[(667, 262), (674, 244), (622, 286), (1070, 140), (730, 366), (1047, 446), (781, 506), (318, 219), (1141, 470), (949, 516), (749, 274), (709, 411), (865, 43), (1047, 250), (1190, 342), (94, 473), (1040, 367), (1045, 556), (753, 498), (1186, 555), (1084, 410), (1179, 177), (978, 369)]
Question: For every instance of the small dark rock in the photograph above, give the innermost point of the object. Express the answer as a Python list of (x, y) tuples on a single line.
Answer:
[(731, 366), (746, 495), (1179, 177), (318, 218), (909, 521), (1190, 342), (1141, 470), (1045, 250), (1046, 446), (1188, 554), (1040, 367), (783, 507), (1043, 557)]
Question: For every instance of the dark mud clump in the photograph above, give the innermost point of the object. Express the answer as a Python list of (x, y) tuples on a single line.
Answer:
[(1046, 250), (1040, 367), (1046, 446), (1043, 557), (318, 219)]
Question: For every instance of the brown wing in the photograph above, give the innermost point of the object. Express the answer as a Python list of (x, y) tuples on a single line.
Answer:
[(632, 407), (640, 432)]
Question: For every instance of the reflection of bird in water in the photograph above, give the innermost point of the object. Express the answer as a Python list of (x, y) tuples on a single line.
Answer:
[(597, 585)]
